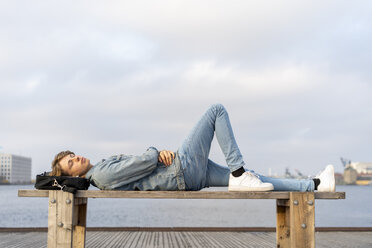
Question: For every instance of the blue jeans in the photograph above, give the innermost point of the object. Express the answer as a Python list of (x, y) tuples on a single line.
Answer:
[(201, 172)]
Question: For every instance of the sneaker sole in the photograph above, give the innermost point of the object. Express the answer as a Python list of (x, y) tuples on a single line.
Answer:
[(239, 188), (332, 188)]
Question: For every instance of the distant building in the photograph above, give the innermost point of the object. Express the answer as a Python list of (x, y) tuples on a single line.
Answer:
[(339, 178), (15, 169), (350, 175), (2, 179), (361, 168)]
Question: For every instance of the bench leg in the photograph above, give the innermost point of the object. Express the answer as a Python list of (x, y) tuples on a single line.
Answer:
[(66, 220), (61, 206), (282, 224), (296, 221), (80, 218)]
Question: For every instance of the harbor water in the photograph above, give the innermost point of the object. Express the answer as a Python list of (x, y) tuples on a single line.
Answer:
[(354, 211)]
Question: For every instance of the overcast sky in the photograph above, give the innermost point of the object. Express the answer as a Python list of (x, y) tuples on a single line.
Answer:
[(110, 77)]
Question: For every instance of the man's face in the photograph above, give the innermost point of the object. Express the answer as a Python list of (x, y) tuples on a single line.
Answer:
[(74, 165)]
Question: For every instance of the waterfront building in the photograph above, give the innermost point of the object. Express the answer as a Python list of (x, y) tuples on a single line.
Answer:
[(15, 169), (360, 167), (2, 179), (358, 173), (339, 177), (350, 175)]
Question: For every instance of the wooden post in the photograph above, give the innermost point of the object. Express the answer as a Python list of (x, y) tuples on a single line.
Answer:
[(60, 219), (80, 219), (282, 224), (295, 221), (66, 220), (302, 219)]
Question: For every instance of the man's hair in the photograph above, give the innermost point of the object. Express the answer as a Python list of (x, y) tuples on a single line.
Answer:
[(56, 167)]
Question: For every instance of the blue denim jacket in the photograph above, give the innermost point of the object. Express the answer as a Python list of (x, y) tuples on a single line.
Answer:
[(143, 172)]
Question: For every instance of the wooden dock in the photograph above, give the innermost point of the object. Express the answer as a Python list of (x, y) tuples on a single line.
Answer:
[(183, 239)]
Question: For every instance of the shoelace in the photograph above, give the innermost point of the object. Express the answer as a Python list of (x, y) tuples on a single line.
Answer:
[(252, 177), (253, 173)]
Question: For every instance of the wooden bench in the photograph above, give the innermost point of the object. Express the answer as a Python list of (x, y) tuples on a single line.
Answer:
[(295, 218)]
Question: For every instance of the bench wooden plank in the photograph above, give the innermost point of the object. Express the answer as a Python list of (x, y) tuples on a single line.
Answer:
[(182, 194)]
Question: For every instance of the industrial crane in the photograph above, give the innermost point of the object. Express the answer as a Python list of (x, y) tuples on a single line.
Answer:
[(345, 161)]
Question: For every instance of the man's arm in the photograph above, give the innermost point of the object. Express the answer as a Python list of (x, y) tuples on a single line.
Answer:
[(125, 169)]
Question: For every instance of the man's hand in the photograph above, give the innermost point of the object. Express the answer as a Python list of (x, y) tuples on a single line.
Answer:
[(166, 157)]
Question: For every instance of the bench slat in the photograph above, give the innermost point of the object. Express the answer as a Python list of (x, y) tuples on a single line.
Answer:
[(182, 194)]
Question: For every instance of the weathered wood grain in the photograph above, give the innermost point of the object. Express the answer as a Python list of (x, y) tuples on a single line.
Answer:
[(302, 220), (282, 224), (79, 225), (60, 219), (182, 194), (52, 219), (33, 193), (131, 239)]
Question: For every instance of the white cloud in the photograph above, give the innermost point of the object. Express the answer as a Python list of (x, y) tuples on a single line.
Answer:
[(124, 75)]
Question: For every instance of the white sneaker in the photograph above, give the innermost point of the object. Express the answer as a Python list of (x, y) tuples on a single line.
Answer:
[(248, 182), (327, 179)]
